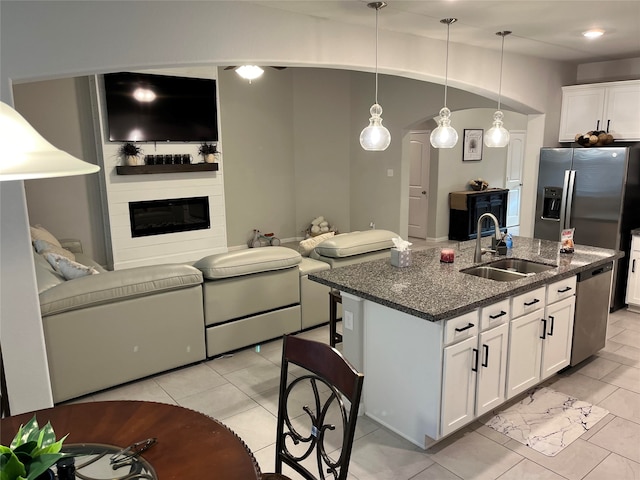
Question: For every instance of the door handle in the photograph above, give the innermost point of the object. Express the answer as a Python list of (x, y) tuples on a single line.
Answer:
[(598, 125), (550, 332), (633, 266), (498, 315), (533, 302), (475, 360), (564, 290), (485, 362), (608, 122), (424, 192), (544, 328)]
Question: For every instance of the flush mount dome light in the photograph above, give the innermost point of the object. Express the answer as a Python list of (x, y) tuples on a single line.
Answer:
[(249, 72), (593, 33)]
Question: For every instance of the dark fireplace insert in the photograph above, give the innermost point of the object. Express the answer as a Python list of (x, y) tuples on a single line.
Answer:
[(156, 217)]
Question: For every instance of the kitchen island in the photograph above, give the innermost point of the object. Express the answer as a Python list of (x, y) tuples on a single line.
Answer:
[(440, 347)]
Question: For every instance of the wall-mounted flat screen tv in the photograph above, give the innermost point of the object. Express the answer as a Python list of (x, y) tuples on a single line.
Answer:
[(159, 108)]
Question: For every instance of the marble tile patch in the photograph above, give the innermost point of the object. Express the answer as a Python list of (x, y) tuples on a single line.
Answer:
[(546, 420)]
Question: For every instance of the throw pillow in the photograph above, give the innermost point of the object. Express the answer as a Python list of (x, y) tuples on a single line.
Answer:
[(68, 268), (40, 233), (307, 245), (43, 247)]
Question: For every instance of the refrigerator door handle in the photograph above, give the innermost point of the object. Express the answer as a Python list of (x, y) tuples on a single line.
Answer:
[(570, 193), (563, 201)]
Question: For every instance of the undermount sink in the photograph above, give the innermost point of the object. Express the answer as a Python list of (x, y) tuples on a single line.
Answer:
[(519, 265), (508, 269)]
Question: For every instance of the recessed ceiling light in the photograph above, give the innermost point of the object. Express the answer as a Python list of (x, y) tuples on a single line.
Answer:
[(593, 33)]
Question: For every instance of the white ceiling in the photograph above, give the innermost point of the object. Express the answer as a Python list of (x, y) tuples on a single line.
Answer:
[(541, 28)]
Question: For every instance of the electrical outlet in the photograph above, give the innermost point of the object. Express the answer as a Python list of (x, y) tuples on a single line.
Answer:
[(390, 172), (347, 319), (372, 225)]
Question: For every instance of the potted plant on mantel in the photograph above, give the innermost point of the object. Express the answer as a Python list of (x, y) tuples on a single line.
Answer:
[(130, 152), (31, 454), (208, 151)]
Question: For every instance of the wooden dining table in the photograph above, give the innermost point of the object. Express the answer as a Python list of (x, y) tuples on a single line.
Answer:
[(189, 445)]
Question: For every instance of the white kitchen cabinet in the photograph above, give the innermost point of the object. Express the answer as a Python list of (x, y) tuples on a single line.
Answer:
[(459, 384), (633, 279), (525, 352), (540, 341), (601, 106), (556, 342), (474, 370)]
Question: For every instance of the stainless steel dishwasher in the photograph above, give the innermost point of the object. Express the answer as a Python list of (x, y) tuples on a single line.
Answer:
[(592, 312)]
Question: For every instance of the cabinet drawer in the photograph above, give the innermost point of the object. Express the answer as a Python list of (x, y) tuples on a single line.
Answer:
[(460, 328), (527, 302), (495, 314), (561, 289)]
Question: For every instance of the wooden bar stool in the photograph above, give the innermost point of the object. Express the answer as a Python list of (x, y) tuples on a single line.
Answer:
[(334, 299)]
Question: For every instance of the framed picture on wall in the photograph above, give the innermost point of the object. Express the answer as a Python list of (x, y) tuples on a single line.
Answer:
[(472, 147)]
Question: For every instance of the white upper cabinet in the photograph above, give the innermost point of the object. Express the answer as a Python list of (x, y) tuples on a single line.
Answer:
[(611, 107)]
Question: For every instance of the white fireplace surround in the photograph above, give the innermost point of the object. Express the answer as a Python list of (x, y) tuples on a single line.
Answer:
[(123, 250)]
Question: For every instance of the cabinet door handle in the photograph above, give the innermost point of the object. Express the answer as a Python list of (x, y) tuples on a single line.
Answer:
[(498, 315), (598, 125), (471, 325), (608, 122), (565, 289), (485, 362), (633, 266), (533, 302), (550, 332), (544, 328), (475, 360)]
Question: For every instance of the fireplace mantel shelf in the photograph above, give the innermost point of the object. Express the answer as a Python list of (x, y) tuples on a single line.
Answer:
[(150, 169)]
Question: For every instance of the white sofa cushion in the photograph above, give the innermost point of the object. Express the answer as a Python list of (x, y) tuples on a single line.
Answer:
[(245, 262), (356, 243)]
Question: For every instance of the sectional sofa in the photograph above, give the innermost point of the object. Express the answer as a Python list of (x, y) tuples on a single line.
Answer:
[(105, 328)]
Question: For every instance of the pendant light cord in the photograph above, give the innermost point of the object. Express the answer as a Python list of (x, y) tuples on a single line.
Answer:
[(502, 34), (377, 9), (446, 65)]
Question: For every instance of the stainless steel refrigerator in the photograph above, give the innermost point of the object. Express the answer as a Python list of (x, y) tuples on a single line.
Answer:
[(597, 192)]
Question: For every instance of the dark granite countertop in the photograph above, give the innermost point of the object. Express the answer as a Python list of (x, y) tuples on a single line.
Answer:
[(436, 291)]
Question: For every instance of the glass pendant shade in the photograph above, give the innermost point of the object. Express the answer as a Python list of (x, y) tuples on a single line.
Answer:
[(375, 137), (25, 154), (497, 135), (444, 136)]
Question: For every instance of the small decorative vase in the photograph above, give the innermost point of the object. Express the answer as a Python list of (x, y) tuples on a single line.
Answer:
[(210, 158), (131, 160)]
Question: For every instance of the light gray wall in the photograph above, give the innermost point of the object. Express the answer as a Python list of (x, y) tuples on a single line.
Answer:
[(256, 126), (68, 207)]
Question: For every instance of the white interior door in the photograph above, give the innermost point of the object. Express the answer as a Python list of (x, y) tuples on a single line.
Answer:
[(513, 180), (419, 156)]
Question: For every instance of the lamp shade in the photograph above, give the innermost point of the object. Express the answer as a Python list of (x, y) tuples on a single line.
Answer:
[(375, 137), (497, 135), (444, 135), (25, 154)]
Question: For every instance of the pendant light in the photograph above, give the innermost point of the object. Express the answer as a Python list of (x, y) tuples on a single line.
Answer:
[(249, 72), (375, 137), (497, 135), (445, 136)]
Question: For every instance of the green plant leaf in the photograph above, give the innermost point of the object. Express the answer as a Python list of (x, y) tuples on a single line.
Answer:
[(51, 448), (41, 463), (10, 467)]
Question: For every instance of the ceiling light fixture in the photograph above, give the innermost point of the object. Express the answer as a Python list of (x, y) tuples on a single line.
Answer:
[(249, 72), (25, 154), (444, 135), (375, 137), (593, 33), (497, 135)]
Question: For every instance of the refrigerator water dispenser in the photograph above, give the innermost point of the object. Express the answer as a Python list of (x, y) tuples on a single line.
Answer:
[(552, 199)]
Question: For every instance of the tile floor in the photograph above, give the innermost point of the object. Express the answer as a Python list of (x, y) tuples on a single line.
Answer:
[(241, 390)]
